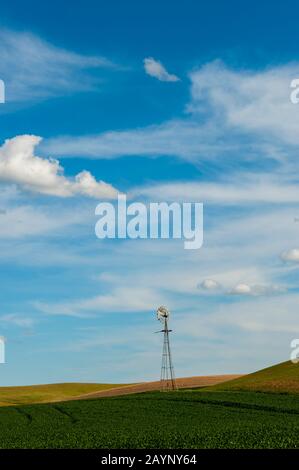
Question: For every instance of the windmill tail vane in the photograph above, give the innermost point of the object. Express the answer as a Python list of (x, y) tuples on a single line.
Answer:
[(167, 378)]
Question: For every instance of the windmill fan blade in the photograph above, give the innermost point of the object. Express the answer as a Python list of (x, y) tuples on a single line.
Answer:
[(162, 313)]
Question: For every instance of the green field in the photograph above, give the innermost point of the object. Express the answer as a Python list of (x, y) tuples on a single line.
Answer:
[(260, 410), (184, 419), (280, 378), (47, 393)]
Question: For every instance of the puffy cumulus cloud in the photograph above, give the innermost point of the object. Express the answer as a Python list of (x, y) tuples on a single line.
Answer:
[(209, 284), (256, 289), (155, 69), (290, 255), (19, 164), (87, 185), (241, 289)]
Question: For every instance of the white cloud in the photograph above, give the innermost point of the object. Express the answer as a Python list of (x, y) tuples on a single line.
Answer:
[(19, 164), (34, 69), (22, 221), (121, 299), (257, 237), (210, 284), (254, 101), (17, 320), (256, 289), (155, 69), (237, 189), (260, 314), (233, 116), (241, 289), (175, 138), (290, 255)]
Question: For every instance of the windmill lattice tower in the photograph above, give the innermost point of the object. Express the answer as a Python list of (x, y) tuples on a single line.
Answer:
[(167, 379)]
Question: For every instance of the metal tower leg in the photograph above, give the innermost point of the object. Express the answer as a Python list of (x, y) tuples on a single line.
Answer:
[(167, 380)]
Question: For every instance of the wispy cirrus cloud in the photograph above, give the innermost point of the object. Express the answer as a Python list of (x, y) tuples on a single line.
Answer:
[(21, 321), (238, 189), (121, 299), (135, 264), (232, 116), (250, 101), (34, 69)]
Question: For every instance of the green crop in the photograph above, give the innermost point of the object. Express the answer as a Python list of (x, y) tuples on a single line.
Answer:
[(184, 419)]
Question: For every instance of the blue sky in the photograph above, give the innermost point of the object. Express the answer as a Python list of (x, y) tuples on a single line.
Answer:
[(214, 125)]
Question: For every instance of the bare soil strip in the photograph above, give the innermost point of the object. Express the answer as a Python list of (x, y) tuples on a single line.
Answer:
[(185, 382)]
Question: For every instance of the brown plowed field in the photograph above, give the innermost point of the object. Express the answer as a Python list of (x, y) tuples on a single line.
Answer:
[(187, 382)]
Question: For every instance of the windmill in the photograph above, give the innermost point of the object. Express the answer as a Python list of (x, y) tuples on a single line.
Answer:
[(167, 379)]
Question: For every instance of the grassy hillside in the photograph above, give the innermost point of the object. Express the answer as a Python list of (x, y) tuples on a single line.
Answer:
[(48, 393), (182, 419), (281, 378), (60, 392)]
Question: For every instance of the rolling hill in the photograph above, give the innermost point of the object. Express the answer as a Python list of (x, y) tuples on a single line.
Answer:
[(26, 395), (48, 393), (182, 383), (280, 378)]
